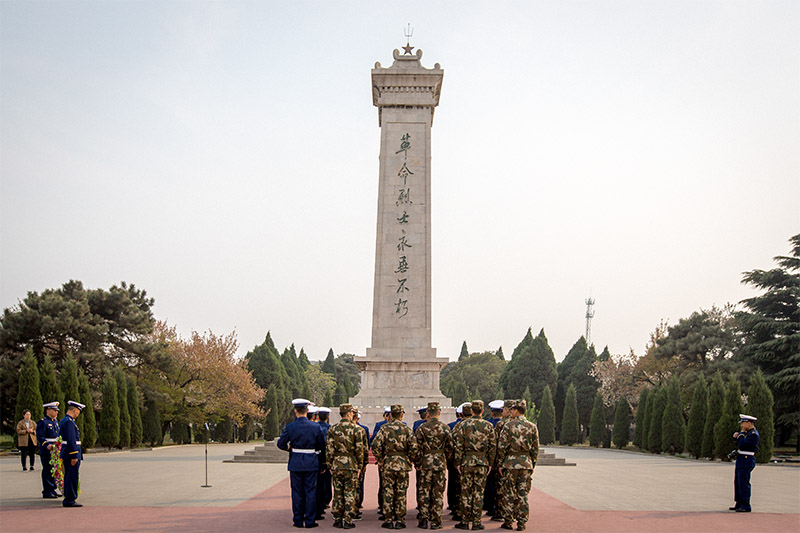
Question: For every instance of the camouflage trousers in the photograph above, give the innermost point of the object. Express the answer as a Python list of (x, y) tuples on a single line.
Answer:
[(473, 483), (395, 489), (430, 494), (345, 488), (516, 486)]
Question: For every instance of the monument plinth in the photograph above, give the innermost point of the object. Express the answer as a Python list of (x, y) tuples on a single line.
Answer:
[(401, 365)]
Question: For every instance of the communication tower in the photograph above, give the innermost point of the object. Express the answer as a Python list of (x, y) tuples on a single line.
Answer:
[(589, 316)]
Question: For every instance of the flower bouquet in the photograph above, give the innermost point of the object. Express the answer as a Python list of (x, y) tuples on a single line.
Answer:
[(57, 464)]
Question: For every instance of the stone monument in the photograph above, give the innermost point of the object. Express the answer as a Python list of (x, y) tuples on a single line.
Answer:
[(401, 365)]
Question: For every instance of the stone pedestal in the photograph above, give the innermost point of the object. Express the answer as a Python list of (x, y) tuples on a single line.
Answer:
[(401, 366)]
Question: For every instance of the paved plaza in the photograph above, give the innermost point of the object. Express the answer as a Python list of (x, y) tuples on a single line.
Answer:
[(608, 490)]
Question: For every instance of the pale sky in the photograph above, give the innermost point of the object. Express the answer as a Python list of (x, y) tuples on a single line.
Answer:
[(224, 157)]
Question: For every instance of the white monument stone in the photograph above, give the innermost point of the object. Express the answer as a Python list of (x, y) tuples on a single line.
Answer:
[(401, 365)]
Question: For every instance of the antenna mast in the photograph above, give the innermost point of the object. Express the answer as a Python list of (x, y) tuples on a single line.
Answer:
[(589, 316)]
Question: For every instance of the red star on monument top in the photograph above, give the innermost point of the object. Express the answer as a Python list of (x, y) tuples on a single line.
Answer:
[(407, 49)]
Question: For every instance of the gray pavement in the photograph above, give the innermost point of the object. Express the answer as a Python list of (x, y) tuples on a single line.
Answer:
[(168, 476), (620, 480), (602, 480)]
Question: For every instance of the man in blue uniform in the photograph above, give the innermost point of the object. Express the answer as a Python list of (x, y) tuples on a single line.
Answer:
[(324, 488), (747, 446), (47, 431), (490, 495), (362, 474), (423, 417), (305, 442), (71, 453), (386, 415)]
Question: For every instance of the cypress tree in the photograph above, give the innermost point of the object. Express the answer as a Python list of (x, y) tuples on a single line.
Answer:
[(697, 418), (89, 435), (69, 386), (271, 426), (759, 404), (124, 412), (28, 394), (673, 427), (136, 413), (641, 419), (329, 365), (48, 383), (502, 356), (622, 424), (569, 423), (223, 431), (597, 422), (464, 352), (151, 423), (728, 423), (531, 406), (657, 406), (716, 400), (547, 418), (109, 414)]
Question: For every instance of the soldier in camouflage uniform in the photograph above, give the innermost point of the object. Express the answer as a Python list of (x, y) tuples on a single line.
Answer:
[(395, 448), (435, 448), (518, 450), (346, 455), (475, 449)]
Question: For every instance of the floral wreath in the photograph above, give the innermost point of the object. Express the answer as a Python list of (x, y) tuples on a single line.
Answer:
[(57, 466)]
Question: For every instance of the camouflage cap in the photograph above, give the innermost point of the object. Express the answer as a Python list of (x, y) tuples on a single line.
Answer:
[(510, 404), (346, 408), (397, 409), (477, 407), (521, 403), (433, 406)]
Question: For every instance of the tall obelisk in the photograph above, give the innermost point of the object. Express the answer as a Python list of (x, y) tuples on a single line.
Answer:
[(401, 365)]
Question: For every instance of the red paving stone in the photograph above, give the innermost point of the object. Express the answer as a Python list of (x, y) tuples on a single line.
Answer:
[(270, 511)]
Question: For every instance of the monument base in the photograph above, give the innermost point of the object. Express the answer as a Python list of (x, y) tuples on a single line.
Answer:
[(393, 379)]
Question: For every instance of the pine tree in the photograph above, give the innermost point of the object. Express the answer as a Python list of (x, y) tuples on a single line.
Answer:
[(759, 405), (69, 386), (622, 424), (179, 431), (48, 383), (531, 406), (464, 352), (28, 394), (641, 411), (697, 418), (658, 404), (271, 426), (109, 414), (533, 365), (303, 360), (570, 433), (716, 400), (124, 412), (597, 423), (547, 418), (576, 368), (728, 423), (151, 423), (673, 426), (89, 435), (500, 354), (136, 413)]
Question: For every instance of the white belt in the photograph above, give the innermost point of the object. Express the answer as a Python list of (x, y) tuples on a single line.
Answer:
[(50, 440), (747, 453), (294, 450), (78, 442)]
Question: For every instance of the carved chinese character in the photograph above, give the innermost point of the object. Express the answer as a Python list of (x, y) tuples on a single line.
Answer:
[(404, 173), (402, 244), (402, 308), (403, 219), (405, 144), (404, 197), (402, 285), (402, 267)]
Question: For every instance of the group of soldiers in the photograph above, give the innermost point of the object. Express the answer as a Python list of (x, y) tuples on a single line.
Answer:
[(485, 465)]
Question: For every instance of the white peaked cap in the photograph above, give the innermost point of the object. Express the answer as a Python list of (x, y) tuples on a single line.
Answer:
[(323, 409), (73, 403), (387, 409), (312, 409), (496, 405), (749, 418), (300, 402)]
